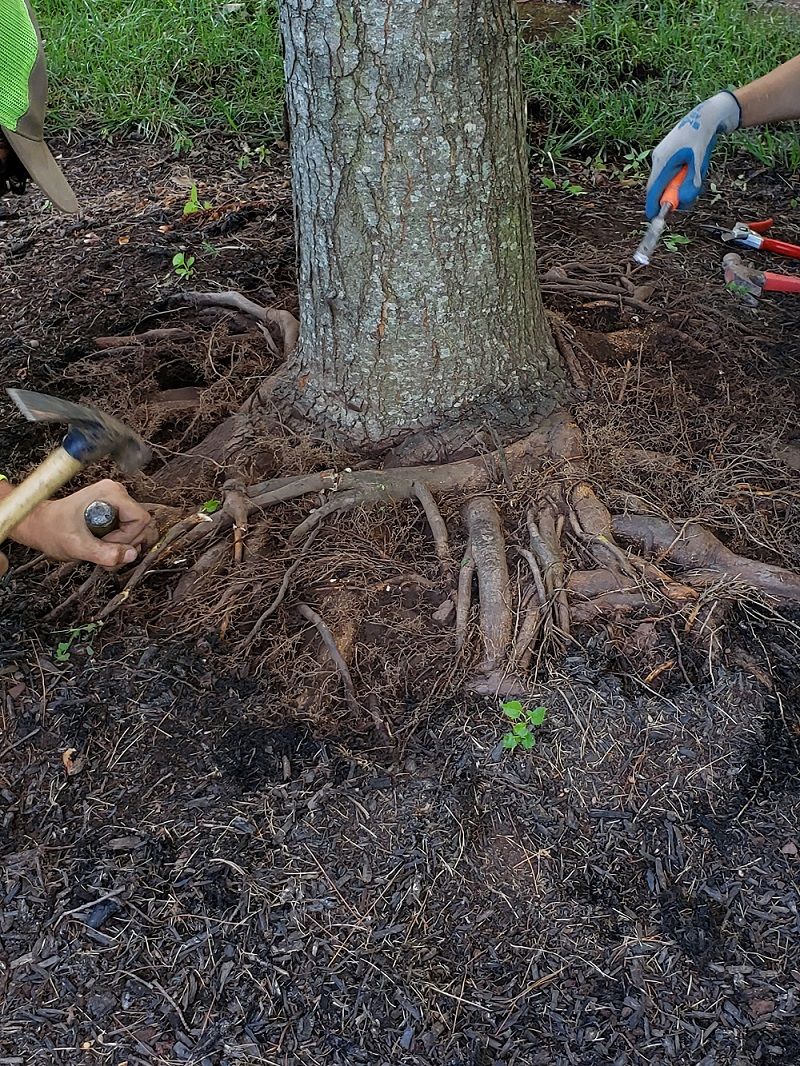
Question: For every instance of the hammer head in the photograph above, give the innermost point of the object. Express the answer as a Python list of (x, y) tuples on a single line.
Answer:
[(99, 434), (741, 279)]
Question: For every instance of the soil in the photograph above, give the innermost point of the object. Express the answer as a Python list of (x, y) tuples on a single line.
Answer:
[(205, 863)]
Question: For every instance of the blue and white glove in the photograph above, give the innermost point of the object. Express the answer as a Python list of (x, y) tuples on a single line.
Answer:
[(691, 142)]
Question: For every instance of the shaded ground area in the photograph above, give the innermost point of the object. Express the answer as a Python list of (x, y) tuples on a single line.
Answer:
[(226, 869)]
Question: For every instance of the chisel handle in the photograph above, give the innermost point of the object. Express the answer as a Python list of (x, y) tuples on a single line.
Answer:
[(670, 196), (101, 518), (57, 469)]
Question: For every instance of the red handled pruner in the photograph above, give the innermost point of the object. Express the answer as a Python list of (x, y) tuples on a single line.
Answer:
[(750, 235), (747, 283)]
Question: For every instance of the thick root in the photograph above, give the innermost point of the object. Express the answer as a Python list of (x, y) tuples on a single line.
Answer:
[(545, 539), (438, 529), (704, 559), (494, 586), (285, 321), (619, 582), (347, 490)]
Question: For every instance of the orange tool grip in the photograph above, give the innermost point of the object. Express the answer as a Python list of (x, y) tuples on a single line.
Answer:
[(670, 193)]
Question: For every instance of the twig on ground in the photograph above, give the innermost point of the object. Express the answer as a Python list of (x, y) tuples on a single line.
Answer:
[(328, 640), (464, 595), (437, 527), (79, 593), (281, 593)]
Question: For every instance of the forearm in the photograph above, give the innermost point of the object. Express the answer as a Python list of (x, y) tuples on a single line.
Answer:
[(773, 98)]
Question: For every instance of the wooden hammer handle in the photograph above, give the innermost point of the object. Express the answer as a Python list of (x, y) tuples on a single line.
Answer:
[(57, 469)]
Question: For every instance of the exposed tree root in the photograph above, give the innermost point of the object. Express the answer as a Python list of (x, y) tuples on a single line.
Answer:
[(704, 559), (336, 656), (346, 490), (279, 596), (545, 541), (582, 565), (622, 290), (171, 537), (566, 342), (214, 452), (438, 528), (488, 546), (173, 333), (534, 607), (464, 597), (284, 320), (77, 595)]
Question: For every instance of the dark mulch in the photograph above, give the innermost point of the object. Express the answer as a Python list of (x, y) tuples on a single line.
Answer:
[(226, 877)]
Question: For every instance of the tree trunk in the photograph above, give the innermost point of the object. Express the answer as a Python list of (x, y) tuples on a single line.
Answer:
[(417, 277)]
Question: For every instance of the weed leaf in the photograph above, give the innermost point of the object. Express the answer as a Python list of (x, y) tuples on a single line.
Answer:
[(537, 715)]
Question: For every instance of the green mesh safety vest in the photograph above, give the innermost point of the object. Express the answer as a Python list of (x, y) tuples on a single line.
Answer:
[(19, 48)]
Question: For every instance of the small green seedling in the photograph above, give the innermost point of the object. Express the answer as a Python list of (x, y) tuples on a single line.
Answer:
[(64, 647), (211, 507), (182, 144), (193, 204), (183, 264), (741, 291), (636, 163), (261, 153), (673, 241), (521, 734), (566, 186)]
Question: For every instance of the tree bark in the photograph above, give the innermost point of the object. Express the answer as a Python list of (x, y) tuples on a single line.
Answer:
[(419, 302)]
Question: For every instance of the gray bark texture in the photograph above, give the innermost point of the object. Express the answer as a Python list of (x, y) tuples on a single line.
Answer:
[(419, 303)]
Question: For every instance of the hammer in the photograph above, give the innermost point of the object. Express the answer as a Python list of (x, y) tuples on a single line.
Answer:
[(91, 436), (748, 283)]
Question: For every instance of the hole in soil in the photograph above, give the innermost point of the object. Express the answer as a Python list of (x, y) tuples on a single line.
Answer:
[(252, 755), (775, 768), (695, 924), (178, 373)]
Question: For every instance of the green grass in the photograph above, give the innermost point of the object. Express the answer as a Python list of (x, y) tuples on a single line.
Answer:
[(622, 74), (612, 83), (163, 67)]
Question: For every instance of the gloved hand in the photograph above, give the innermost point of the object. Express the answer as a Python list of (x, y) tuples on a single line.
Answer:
[(691, 142)]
